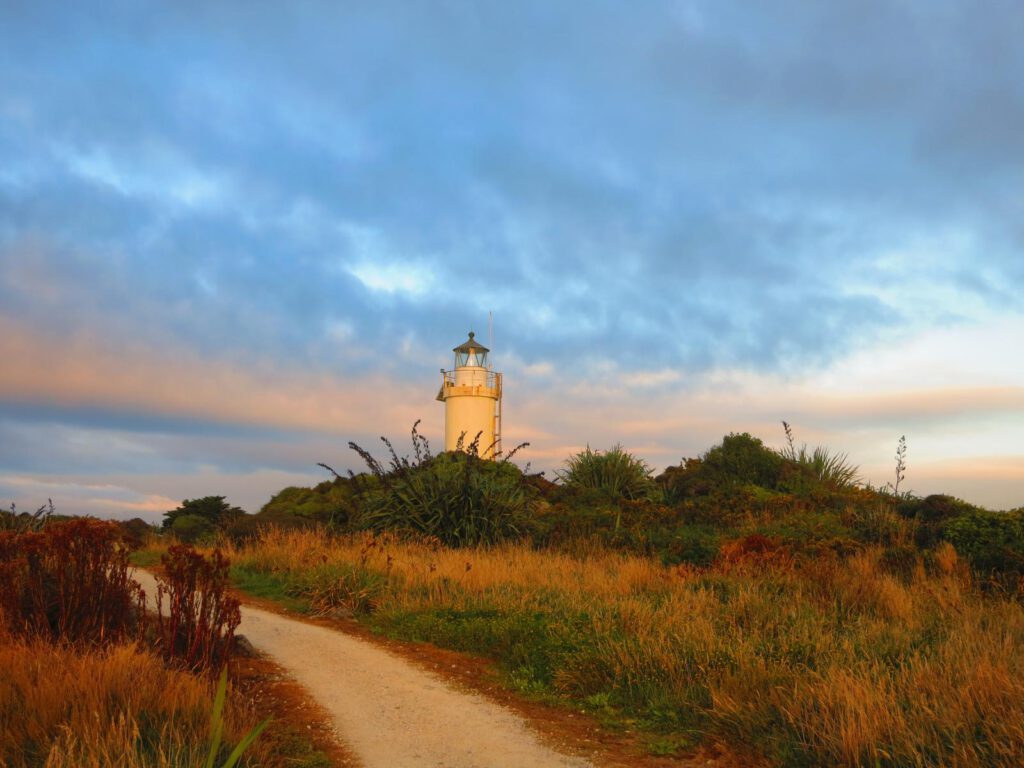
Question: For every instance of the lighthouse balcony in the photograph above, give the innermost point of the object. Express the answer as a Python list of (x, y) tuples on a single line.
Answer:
[(470, 382)]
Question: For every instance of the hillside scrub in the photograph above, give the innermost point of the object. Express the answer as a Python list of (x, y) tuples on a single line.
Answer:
[(803, 660), (456, 497)]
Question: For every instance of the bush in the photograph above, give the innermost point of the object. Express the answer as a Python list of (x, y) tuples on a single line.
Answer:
[(931, 515), (615, 473), (197, 518), (328, 502), (68, 582), (199, 628), (456, 497), (742, 459), (992, 542)]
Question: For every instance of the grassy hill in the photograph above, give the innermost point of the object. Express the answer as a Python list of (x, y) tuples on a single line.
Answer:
[(762, 602)]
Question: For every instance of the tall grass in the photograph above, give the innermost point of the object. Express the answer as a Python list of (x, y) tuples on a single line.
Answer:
[(616, 472), (66, 707), (806, 661)]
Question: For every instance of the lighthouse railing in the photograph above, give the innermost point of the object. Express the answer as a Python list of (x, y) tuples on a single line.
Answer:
[(492, 380)]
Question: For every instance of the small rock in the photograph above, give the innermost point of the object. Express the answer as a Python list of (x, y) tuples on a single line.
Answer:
[(243, 647)]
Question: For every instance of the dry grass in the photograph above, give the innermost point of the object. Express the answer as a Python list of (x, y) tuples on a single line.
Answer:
[(819, 662), (65, 707)]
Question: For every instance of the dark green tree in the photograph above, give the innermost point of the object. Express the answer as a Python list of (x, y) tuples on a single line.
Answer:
[(742, 459), (196, 518)]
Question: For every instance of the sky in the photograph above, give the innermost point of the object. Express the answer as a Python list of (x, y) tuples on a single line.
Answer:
[(235, 236)]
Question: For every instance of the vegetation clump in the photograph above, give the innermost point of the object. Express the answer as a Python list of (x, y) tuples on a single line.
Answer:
[(615, 473), (85, 675), (456, 497), (198, 519), (199, 628), (69, 582)]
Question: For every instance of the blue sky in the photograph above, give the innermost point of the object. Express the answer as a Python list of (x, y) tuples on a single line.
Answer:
[(234, 236)]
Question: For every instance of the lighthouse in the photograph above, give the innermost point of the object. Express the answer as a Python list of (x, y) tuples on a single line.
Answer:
[(471, 393)]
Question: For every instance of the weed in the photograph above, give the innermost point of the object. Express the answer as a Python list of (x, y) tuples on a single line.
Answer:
[(217, 729), (69, 581), (23, 522), (198, 630), (901, 465)]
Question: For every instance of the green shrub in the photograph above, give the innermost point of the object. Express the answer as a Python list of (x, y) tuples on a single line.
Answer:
[(330, 502), (192, 528), (992, 542), (931, 514), (456, 497), (693, 544), (615, 473), (195, 519), (742, 459)]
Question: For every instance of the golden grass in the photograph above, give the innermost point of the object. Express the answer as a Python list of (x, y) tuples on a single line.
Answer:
[(824, 662), (65, 707)]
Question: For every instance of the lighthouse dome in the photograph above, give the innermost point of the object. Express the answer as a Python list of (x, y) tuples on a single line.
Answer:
[(471, 353)]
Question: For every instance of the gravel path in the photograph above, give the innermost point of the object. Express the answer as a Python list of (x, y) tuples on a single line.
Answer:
[(391, 713)]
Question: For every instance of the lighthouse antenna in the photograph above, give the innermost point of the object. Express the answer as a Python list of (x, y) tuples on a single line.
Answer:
[(490, 339)]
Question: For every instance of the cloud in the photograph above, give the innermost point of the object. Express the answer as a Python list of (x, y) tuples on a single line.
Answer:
[(246, 223)]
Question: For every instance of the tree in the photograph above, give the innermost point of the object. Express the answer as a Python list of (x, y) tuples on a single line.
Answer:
[(199, 517)]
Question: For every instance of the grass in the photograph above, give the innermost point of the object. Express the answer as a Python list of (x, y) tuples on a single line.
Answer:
[(809, 660), (77, 708), (613, 472), (267, 586), (88, 681)]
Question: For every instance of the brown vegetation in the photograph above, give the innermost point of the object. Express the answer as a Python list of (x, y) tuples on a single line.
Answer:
[(66, 707), (807, 660), (89, 680), (69, 582), (198, 630)]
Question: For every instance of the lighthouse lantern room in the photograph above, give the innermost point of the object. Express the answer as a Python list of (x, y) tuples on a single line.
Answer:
[(471, 393)]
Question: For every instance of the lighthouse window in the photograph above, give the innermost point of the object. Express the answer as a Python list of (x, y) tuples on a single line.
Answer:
[(473, 357)]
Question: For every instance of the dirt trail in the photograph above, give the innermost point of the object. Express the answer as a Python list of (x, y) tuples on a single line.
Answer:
[(389, 712)]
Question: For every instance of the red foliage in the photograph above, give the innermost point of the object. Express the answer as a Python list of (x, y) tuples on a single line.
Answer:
[(199, 628), (754, 551), (69, 581)]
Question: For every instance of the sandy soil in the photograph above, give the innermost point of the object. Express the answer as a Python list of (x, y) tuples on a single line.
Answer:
[(389, 712)]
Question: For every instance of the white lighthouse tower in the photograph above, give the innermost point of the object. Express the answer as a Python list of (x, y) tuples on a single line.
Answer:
[(471, 394)]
